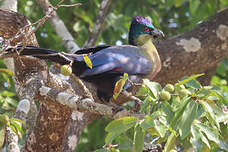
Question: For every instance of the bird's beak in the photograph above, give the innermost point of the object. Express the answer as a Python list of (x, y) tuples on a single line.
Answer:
[(156, 33)]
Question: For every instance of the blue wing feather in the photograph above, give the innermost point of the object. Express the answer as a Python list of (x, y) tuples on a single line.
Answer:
[(131, 61)]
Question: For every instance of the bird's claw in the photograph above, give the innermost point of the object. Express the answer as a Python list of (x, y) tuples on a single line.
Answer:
[(117, 109)]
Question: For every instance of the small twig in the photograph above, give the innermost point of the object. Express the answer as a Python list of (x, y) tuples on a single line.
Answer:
[(131, 97), (71, 5), (103, 12), (60, 28), (39, 23)]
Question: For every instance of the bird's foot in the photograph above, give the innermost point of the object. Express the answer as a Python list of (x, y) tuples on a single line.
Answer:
[(117, 109)]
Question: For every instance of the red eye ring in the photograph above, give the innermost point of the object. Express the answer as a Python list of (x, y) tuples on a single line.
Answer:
[(146, 29)]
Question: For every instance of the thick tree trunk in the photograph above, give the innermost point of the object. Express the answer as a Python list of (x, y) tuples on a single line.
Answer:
[(196, 51)]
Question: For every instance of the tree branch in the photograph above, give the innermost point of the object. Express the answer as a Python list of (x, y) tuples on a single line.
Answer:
[(59, 26), (103, 12), (10, 5), (24, 105), (196, 51)]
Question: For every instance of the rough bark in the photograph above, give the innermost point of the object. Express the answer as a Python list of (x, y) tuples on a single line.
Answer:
[(77, 119), (196, 51), (29, 72)]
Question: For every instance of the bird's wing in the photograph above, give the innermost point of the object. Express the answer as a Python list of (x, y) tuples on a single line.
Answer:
[(119, 59), (91, 49)]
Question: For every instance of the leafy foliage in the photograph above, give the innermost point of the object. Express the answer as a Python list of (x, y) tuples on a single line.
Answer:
[(8, 104), (195, 119)]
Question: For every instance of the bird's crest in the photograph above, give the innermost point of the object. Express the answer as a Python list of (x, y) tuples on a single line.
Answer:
[(141, 20)]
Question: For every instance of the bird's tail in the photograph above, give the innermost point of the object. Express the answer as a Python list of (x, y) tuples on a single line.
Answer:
[(44, 53)]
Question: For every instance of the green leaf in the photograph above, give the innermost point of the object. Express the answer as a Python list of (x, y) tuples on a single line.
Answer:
[(17, 120), (178, 3), (119, 86), (148, 121), (195, 140), (7, 93), (203, 93), (224, 3), (160, 127), (147, 105), (188, 116), (102, 150), (139, 139), (204, 139), (121, 125), (167, 109), (170, 144), (219, 114), (164, 120), (211, 135), (86, 18), (4, 119), (18, 129), (11, 101), (7, 79), (189, 79), (110, 137), (142, 91), (154, 87), (180, 110), (192, 83), (125, 76), (2, 135), (213, 98), (210, 112), (124, 142), (18, 124), (7, 71), (194, 5)]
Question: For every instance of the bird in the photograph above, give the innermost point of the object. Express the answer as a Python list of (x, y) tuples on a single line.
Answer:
[(139, 59)]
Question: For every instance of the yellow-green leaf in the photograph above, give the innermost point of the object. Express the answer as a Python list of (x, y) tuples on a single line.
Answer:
[(110, 137), (139, 139), (4, 119), (170, 144), (195, 140), (121, 125), (88, 61), (119, 86), (189, 79), (7, 71), (188, 116)]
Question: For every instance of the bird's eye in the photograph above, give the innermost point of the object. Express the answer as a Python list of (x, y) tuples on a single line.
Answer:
[(146, 29)]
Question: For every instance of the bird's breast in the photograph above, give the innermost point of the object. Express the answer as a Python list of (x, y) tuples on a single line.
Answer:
[(151, 53)]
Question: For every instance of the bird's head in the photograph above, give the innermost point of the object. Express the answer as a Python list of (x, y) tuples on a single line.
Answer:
[(142, 30)]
